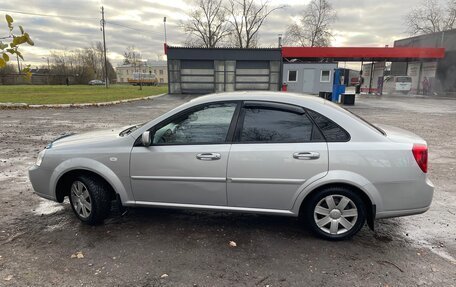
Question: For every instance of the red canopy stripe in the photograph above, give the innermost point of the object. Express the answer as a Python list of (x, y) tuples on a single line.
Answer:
[(368, 53)]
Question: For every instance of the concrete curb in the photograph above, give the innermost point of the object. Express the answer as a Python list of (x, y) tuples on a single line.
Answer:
[(82, 105)]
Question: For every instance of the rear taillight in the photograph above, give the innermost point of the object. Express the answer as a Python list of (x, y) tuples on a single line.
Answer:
[(420, 152)]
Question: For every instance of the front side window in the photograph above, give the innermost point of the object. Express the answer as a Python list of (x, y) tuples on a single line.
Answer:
[(207, 125), (292, 76), (325, 76), (274, 126)]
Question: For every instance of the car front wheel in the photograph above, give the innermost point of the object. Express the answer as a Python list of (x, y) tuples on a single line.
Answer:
[(90, 199), (335, 213)]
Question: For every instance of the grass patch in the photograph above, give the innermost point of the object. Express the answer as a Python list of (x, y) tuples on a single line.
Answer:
[(74, 94)]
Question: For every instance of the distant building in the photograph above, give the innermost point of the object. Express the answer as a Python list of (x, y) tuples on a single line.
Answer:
[(207, 70), (308, 70), (159, 68), (39, 71), (310, 78), (441, 74)]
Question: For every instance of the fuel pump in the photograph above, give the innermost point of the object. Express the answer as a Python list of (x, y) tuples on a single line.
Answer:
[(338, 85)]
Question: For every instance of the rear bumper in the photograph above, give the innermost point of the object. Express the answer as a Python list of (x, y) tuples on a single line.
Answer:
[(39, 177), (398, 213), (415, 198)]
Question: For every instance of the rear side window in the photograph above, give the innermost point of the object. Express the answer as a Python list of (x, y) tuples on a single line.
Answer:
[(331, 131), (266, 125)]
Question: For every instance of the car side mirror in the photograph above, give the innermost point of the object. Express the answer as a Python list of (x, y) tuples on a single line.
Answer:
[(146, 139)]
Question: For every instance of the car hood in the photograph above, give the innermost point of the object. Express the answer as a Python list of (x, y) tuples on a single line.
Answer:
[(89, 138), (400, 135)]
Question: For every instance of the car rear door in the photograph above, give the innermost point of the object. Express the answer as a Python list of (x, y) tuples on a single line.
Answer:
[(186, 163), (277, 149)]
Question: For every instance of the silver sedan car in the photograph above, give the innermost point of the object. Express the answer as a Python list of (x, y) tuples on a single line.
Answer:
[(260, 152)]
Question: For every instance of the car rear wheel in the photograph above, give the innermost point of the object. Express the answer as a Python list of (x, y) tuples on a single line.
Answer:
[(90, 199), (335, 213)]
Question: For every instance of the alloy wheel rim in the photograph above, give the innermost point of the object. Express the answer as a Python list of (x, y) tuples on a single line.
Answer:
[(335, 214), (80, 198)]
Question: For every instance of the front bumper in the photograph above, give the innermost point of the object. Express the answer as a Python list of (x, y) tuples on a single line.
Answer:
[(40, 179)]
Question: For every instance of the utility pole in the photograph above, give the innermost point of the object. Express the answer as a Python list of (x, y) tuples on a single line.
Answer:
[(104, 46), (280, 40), (164, 25)]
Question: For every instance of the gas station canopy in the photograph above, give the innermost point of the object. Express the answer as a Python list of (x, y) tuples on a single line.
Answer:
[(358, 54)]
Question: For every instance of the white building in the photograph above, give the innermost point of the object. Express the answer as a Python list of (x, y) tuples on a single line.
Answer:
[(310, 78), (159, 68)]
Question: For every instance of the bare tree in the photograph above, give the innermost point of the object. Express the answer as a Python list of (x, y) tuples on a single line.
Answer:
[(207, 25), (247, 18), (131, 56), (8, 69), (314, 27), (82, 65), (431, 16)]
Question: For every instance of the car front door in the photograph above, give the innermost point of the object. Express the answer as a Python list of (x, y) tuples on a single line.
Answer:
[(186, 162), (277, 149)]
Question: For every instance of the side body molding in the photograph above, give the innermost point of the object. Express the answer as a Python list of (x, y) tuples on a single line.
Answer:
[(94, 166)]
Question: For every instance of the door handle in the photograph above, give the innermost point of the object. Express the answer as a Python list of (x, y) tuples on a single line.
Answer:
[(208, 156), (306, 155)]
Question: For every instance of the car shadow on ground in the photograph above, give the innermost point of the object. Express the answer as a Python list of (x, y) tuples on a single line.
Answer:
[(171, 225), (196, 221)]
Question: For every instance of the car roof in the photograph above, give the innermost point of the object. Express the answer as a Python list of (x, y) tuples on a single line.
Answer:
[(284, 97)]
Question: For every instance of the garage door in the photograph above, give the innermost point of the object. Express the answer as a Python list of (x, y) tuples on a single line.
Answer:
[(197, 76), (252, 75)]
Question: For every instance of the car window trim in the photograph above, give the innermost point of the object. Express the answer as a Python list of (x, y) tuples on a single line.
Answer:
[(274, 106), (234, 121), (164, 122)]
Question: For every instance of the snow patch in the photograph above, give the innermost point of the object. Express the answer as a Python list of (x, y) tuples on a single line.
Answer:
[(47, 207)]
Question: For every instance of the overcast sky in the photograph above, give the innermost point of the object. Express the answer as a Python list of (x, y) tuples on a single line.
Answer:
[(360, 23)]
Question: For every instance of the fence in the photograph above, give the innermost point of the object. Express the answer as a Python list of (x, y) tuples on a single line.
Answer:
[(36, 79)]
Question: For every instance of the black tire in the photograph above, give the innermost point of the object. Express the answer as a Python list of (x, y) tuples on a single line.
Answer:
[(357, 222), (100, 199)]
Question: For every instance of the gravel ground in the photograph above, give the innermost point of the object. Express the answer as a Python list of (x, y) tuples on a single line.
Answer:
[(38, 237)]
